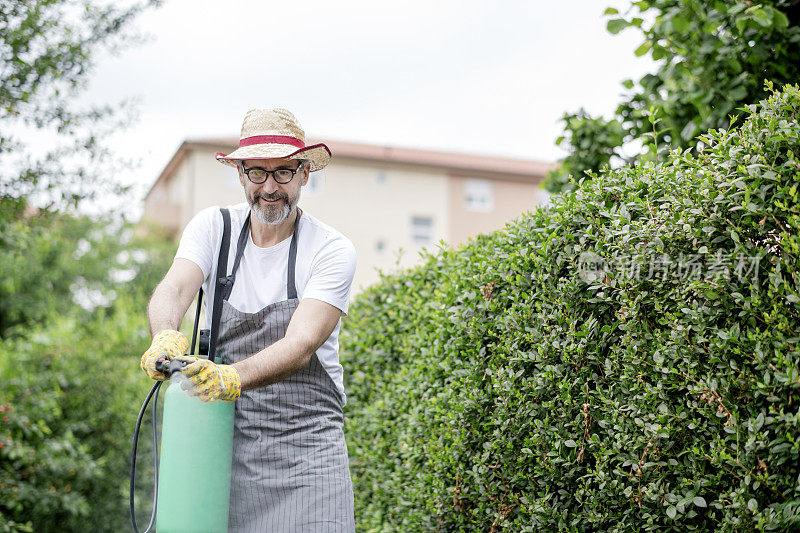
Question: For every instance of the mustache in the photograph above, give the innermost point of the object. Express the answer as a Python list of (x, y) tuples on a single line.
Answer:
[(273, 197)]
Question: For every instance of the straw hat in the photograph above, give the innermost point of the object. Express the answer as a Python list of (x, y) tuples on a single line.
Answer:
[(272, 134)]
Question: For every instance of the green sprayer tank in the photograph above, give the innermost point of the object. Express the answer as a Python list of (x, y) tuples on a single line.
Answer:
[(195, 468)]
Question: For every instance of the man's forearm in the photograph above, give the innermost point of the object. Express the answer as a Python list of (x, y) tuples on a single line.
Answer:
[(312, 323), (273, 364), (167, 307)]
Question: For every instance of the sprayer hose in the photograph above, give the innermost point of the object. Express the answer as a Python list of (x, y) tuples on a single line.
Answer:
[(154, 395)]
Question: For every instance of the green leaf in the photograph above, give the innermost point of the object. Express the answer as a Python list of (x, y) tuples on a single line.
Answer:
[(615, 26), (779, 20), (671, 511), (741, 24), (569, 443), (762, 16), (611, 11), (643, 48), (699, 501), (680, 24), (628, 84)]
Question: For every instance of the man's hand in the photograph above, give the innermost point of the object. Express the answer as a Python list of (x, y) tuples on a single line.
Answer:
[(167, 344), (210, 382)]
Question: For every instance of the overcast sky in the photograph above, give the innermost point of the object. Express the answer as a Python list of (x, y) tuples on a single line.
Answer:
[(467, 76)]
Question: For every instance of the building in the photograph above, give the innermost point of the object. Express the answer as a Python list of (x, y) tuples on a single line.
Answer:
[(389, 201)]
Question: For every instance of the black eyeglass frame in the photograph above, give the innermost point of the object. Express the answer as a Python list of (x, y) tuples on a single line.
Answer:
[(268, 173)]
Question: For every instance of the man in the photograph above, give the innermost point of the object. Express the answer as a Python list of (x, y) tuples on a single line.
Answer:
[(277, 337)]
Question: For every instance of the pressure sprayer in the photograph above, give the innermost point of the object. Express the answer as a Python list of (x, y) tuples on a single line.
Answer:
[(191, 482), (192, 485)]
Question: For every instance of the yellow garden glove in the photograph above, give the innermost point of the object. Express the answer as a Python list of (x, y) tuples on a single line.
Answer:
[(167, 344), (210, 382)]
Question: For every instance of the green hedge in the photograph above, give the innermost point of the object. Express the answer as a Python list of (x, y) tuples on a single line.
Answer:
[(70, 383), (71, 393), (533, 380)]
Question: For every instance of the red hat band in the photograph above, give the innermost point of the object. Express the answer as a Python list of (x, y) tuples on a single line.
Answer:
[(271, 139)]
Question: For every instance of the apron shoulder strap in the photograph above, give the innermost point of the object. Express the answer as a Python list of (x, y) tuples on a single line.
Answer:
[(221, 280), (240, 245), (291, 289)]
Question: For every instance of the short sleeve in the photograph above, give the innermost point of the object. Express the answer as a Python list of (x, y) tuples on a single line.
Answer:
[(199, 240), (332, 272)]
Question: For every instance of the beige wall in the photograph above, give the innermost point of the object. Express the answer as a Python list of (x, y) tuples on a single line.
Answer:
[(213, 183), (369, 204), (166, 204), (510, 200)]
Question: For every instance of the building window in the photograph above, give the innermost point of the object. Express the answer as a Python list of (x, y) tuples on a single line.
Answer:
[(380, 247), (421, 230), (380, 177), (478, 195), (314, 183)]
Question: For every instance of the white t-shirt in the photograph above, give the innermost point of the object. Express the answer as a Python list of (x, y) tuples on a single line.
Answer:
[(326, 262)]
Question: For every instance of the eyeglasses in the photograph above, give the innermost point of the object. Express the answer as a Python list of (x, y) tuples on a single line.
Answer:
[(260, 175)]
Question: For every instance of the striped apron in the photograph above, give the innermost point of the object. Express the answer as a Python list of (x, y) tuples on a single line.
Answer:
[(290, 470)]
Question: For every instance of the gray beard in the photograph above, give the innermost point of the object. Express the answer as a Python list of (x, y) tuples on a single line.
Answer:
[(273, 215)]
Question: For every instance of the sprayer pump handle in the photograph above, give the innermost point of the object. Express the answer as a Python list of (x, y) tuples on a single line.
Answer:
[(169, 367)]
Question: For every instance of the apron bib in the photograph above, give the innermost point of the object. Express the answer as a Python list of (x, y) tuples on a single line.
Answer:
[(290, 470)]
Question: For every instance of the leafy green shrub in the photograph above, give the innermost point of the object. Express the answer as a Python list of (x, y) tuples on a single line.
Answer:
[(626, 360), (70, 384), (63, 454)]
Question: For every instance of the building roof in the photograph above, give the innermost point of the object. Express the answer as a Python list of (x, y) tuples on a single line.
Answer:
[(515, 169)]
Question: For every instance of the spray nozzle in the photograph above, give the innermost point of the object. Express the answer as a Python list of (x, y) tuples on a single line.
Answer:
[(169, 366)]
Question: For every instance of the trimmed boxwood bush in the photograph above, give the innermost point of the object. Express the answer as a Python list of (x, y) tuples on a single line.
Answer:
[(624, 360)]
